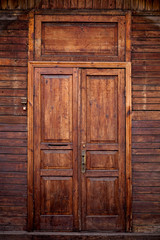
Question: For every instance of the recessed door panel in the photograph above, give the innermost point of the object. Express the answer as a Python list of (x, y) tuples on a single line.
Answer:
[(56, 105), (102, 116)]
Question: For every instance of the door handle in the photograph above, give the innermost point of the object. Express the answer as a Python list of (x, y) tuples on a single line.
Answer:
[(83, 162)]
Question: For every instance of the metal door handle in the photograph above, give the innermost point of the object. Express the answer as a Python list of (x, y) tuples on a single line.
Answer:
[(83, 163)]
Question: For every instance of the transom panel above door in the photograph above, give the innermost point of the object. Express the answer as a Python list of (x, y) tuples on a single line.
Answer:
[(80, 37), (78, 137)]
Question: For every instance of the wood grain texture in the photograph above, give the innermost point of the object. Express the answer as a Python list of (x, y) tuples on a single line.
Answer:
[(13, 135), (75, 4)]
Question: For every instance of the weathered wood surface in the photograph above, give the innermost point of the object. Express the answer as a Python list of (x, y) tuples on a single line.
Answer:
[(13, 127), (76, 236), (145, 131), (142, 5), (146, 114)]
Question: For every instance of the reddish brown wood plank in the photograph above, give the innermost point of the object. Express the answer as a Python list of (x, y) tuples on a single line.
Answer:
[(146, 100), (152, 107), (14, 158), (144, 33), (89, 3), (14, 135), (146, 167), (146, 190), (13, 166), (148, 124), (13, 92), (145, 56), (13, 84), (13, 119), (146, 183), (145, 145), (10, 101), (16, 110), (9, 54), (15, 142), (146, 175), (146, 207), (146, 138), (146, 219), (13, 127), (13, 201)]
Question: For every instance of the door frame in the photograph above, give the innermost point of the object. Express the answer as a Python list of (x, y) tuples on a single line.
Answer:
[(119, 65)]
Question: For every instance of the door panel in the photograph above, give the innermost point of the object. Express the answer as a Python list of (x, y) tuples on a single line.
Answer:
[(103, 139), (55, 149), (65, 198), (56, 105)]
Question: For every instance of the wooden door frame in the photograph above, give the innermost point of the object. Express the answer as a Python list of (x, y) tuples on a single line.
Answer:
[(120, 65)]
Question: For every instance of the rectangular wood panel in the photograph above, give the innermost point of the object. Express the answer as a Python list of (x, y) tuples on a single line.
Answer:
[(80, 37), (101, 95), (56, 107)]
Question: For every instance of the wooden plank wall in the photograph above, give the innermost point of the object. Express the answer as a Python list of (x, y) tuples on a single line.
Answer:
[(13, 123), (146, 111), (146, 122), (153, 5)]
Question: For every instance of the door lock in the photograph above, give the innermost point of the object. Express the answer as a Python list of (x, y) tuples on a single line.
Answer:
[(83, 163)]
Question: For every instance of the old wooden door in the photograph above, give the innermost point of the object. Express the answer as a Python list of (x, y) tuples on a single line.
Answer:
[(79, 148)]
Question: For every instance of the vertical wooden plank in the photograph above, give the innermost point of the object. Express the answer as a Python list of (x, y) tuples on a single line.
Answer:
[(104, 4), (96, 4), (22, 4), (30, 147), (148, 4), (45, 4), (89, 3), (13, 4), (37, 42), (119, 4), (31, 4), (111, 4), (81, 3), (31, 37), (38, 4), (128, 36), (74, 3), (156, 5), (141, 5), (67, 4), (53, 4), (128, 149), (4, 4), (60, 4), (127, 4), (134, 4)]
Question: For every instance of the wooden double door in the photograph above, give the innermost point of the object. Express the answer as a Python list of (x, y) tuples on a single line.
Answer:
[(79, 148)]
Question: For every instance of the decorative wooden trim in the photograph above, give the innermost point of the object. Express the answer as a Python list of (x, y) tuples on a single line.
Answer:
[(128, 36), (30, 147), (128, 149), (120, 65), (79, 64), (31, 37)]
